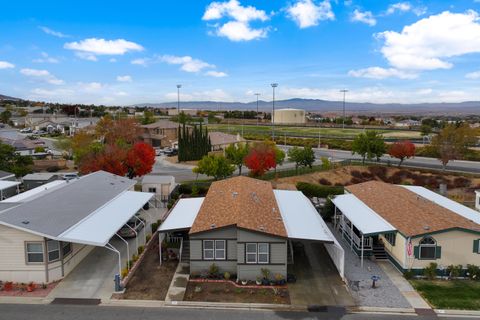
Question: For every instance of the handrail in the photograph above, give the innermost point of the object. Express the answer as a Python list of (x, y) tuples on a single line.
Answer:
[(180, 250)]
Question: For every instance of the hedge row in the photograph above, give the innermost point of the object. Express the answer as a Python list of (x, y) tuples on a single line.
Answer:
[(317, 190)]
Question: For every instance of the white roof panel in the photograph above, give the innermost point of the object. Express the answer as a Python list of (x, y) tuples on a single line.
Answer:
[(97, 228), (5, 184), (301, 219), (33, 193), (182, 215), (442, 201), (363, 218)]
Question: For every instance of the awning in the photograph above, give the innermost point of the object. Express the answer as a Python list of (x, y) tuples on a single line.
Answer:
[(302, 221), (5, 184), (363, 218), (182, 215), (103, 224), (32, 193), (442, 201)]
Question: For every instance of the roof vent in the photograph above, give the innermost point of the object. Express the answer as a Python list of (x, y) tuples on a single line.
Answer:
[(212, 226), (426, 228), (25, 222), (234, 194), (274, 210), (255, 197), (261, 228)]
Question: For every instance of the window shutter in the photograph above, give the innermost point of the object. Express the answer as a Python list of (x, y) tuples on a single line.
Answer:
[(475, 246), (416, 252), (438, 252)]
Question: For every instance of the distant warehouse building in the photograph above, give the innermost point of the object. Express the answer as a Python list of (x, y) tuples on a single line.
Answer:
[(289, 116)]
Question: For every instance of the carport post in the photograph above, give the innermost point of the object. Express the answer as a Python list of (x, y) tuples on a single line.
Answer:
[(128, 250), (112, 248), (144, 231), (361, 255)]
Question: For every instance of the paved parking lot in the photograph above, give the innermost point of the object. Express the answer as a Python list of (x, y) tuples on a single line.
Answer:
[(318, 281)]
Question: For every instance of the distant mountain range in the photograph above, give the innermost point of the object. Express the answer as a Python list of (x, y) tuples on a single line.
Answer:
[(2, 97), (451, 108)]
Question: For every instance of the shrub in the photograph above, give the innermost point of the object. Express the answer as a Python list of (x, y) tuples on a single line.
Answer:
[(461, 182), (409, 274), (124, 272), (316, 190), (140, 250), (430, 272), (326, 164), (53, 169), (265, 273), (185, 188), (324, 182), (379, 171), (454, 271), (155, 225), (213, 270), (135, 258), (226, 275), (356, 174), (473, 271), (356, 180), (328, 210), (148, 237)]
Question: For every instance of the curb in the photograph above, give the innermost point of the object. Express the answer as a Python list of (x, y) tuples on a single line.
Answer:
[(363, 309), (472, 313), (24, 300)]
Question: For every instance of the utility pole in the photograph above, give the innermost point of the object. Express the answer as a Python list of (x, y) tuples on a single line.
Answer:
[(274, 85), (257, 94), (178, 99), (343, 119)]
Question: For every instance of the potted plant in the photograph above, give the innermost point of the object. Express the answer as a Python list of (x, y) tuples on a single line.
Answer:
[(8, 286), (279, 279), (258, 281), (244, 282), (266, 276)]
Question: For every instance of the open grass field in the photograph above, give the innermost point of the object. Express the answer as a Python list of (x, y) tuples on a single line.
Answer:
[(309, 131), (455, 294)]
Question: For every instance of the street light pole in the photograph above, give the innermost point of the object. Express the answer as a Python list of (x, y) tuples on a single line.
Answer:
[(274, 85), (343, 119), (178, 99), (257, 94)]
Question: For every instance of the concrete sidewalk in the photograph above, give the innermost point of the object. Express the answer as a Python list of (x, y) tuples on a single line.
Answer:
[(178, 286), (406, 289)]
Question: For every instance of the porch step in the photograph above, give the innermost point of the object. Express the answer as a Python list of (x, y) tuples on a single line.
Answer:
[(186, 251), (379, 253)]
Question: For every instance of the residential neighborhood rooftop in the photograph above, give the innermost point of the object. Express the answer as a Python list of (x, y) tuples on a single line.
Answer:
[(407, 211), (245, 202), (164, 124)]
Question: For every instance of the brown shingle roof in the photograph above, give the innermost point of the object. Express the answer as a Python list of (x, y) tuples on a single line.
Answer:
[(243, 202), (221, 138), (162, 124), (408, 212)]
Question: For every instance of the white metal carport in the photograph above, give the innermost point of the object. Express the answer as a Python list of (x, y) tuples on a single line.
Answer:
[(353, 212), (100, 226), (5, 184)]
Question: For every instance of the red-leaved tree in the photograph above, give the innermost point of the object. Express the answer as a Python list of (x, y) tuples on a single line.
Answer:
[(260, 158), (402, 150), (140, 159)]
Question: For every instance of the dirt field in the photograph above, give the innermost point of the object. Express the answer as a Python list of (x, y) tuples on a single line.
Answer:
[(460, 188), (226, 292), (151, 281)]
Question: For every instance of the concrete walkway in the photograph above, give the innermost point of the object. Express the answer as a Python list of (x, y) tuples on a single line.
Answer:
[(178, 286), (318, 281), (406, 289)]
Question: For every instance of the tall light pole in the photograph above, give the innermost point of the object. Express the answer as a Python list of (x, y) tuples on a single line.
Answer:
[(274, 85), (178, 99), (257, 94), (343, 119)]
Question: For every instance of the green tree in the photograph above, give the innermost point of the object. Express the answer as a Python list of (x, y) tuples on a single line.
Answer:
[(215, 166), (236, 155), (5, 116), (369, 145), (193, 142), (295, 155), (425, 130), (148, 117), (453, 142), (64, 144), (13, 162), (304, 157), (279, 157)]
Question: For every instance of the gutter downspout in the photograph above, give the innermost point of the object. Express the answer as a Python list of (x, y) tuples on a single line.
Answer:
[(45, 259)]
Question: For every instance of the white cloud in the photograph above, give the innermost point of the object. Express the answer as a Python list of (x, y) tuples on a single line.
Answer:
[(187, 63), (45, 59), (216, 74), (364, 17), (306, 13), (125, 78), (473, 75), (405, 7), (42, 75), (90, 86), (54, 33), (112, 60), (89, 49), (238, 27), (381, 73), (140, 61), (6, 65), (207, 95), (429, 42)]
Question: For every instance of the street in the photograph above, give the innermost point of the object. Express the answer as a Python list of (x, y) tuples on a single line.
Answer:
[(62, 312)]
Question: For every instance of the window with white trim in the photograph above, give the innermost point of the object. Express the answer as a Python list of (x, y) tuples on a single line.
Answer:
[(251, 253), (208, 249), (34, 252), (220, 250), (53, 248), (390, 237), (427, 248), (257, 253)]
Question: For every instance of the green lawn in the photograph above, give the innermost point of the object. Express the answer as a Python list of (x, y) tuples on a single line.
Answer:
[(455, 294), (309, 131)]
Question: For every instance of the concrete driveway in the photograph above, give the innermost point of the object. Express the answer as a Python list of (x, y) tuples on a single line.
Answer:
[(93, 277), (318, 281)]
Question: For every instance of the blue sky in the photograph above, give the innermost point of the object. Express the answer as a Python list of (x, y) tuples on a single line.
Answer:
[(133, 52)]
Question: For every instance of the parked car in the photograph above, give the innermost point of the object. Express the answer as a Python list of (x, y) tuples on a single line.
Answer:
[(133, 223), (26, 130), (69, 175), (170, 152), (158, 151)]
